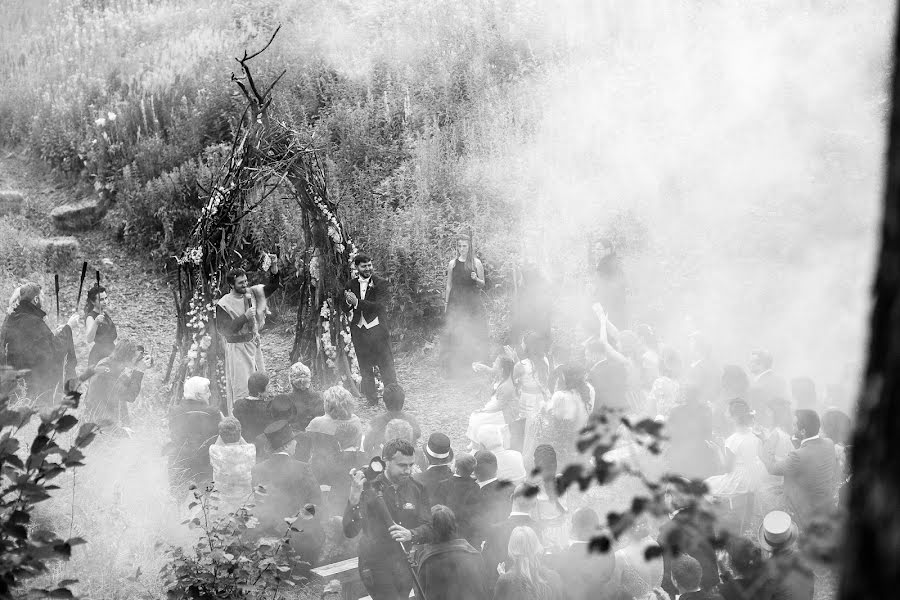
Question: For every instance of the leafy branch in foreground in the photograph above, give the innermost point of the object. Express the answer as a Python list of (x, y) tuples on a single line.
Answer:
[(230, 560), (25, 550)]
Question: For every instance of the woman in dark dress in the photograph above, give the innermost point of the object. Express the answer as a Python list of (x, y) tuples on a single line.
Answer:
[(99, 328), (467, 326)]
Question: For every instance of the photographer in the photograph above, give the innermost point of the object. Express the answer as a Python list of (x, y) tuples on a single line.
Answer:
[(393, 512)]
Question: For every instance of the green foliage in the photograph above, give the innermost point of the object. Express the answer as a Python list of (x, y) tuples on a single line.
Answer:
[(25, 551), (228, 562)]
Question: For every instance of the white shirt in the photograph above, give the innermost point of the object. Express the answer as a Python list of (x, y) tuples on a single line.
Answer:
[(481, 484), (363, 288), (815, 437)]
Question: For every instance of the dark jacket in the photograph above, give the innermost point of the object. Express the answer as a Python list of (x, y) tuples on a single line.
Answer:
[(374, 306), (588, 576), (407, 505), (253, 413), (757, 587), (810, 478), (791, 577), (26, 342), (490, 505), (458, 495), (452, 571), (290, 485), (701, 595), (431, 477), (308, 404), (193, 428), (691, 534), (496, 543)]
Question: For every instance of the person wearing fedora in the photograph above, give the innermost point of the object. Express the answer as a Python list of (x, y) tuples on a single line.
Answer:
[(291, 489), (439, 455), (791, 578), (365, 299)]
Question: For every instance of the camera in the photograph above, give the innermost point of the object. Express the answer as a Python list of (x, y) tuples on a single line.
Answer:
[(373, 469)]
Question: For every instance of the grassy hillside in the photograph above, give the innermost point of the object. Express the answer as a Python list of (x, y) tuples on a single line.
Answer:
[(732, 150)]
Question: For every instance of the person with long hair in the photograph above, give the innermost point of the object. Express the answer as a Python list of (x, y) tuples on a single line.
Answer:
[(524, 576), (531, 376), (566, 413), (116, 384), (99, 328), (503, 407), (740, 455), (467, 325)]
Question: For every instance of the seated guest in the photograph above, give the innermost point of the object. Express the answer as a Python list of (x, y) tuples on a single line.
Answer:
[(449, 567), (608, 375), (588, 575), (567, 414), (740, 455), (810, 472), (332, 470), (458, 492), (746, 577), (689, 426), (398, 429), (253, 411), (393, 397), (524, 575), (510, 466), (339, 406), (632, 564), (491, 504), (232, 461), (686, 576), (193, 427), (307, 403), (688, 532), (116, 384), (837, 427), (439, 455), (503, 407), (290, 487), (791, 577), (497, 538)]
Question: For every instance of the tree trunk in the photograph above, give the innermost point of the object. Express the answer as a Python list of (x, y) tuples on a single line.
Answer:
[(871, 565)]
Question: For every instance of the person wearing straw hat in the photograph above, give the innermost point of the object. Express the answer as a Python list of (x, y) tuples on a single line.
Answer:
[(791, 577), (439, 455), (26, 342)]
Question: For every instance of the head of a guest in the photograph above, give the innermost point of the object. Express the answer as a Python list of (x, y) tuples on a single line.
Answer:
[(746, 557), (572, 378), (27, 294), (197, 389), (735, 383), (443, 524), (490, 438), (282, 408), (281, 437), (503, 368), (524, 498), (780, 414), (836, 426), (96, 298), (686, 573), (485, 465), (464, 465), (237, 281), (585, 524), (545, 461), (398, 456), (806, 423), (525, 552), (125, 352), (399, 429), (740, 413), (760, 362), (348, 435), (803, 391), (301, 376), (257, 384), (438, 450), (339, 403), (363, 264), (230, 430), (394, 397)]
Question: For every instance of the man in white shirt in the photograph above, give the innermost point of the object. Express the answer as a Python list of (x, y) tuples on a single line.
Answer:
[(365, 299), (510, 466)]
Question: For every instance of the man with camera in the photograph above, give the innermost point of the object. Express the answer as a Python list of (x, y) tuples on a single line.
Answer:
[(393, 513)]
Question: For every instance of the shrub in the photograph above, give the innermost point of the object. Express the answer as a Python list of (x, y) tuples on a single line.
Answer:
[(226, 563), (26, 550)]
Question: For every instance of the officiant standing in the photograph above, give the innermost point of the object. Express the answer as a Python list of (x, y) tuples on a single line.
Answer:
[(240, 315)]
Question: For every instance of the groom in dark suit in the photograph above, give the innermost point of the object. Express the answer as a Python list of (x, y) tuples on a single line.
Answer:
[(365, 298)]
